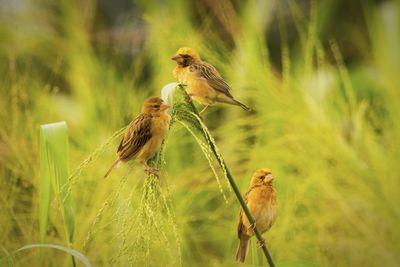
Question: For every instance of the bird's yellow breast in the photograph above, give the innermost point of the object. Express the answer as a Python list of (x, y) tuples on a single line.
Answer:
[(262, 205), (160, 125), (181, 73)]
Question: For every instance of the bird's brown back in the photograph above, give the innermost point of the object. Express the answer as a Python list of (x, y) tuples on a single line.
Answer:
[(136, 136), (212, 76)]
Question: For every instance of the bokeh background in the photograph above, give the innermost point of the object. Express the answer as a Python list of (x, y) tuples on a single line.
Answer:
[(322, 77)]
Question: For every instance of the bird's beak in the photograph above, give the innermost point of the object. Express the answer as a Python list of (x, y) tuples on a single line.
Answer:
[(176, 57), (165, 106), (269, 178)]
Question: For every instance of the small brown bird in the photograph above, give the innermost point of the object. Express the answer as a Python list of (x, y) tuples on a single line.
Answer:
[(261, 201), (144, 135), (204, 83)]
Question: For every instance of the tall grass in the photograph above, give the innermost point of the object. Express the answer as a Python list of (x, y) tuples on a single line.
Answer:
[(327, 126)]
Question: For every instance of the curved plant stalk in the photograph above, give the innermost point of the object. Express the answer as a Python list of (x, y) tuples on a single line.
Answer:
[(184, 111), (74, 253)]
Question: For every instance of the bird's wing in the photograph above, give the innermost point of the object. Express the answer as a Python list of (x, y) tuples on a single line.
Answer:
[(207, 72), (136, 136), (241, 228)]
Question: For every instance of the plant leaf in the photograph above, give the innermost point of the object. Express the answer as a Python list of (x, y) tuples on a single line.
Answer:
[(54, 169)]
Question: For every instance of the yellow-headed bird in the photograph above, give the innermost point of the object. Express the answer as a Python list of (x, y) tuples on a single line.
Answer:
[(261, 201), (204, 83), (144, 135)]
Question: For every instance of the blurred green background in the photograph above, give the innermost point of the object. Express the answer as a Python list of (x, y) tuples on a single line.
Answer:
[(322, 77)]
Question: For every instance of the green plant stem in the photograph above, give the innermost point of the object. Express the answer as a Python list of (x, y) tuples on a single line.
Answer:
[(246, 210), (179, 92)]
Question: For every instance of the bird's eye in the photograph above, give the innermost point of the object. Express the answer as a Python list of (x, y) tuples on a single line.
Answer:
[(156, 106), (262, 177)]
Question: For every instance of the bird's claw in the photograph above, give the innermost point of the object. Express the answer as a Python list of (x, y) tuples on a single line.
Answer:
[(201, 116), (261, 243), (252, 226), (203, 111)]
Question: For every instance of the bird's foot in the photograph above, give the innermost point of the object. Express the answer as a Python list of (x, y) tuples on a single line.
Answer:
[(252, 226), (152, 170), (190, 98), (261, 243), (201, 116), (250, 229), (201, 113)]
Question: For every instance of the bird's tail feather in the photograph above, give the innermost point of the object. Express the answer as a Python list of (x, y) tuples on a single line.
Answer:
[(242, 249), (115, 165), (243, 106)]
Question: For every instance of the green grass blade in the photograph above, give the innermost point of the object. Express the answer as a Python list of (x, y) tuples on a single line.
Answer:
[(44, 186), (55, 168)]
